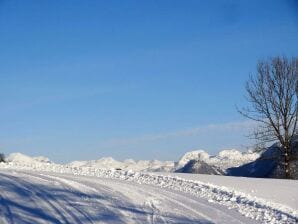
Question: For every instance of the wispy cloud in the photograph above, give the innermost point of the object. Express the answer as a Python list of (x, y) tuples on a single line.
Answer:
[(196, 131)]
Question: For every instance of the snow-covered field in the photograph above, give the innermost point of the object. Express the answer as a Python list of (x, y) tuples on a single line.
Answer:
[(51, 193)]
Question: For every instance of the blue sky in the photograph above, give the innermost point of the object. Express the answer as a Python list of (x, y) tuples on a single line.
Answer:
[(133, 79)]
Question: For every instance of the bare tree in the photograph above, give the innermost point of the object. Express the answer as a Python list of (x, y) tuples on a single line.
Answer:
[(272, 95)]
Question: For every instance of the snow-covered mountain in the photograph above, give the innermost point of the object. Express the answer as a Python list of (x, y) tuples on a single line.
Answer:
[(269, 164), (193, 155), (200, 167), (224, 160), (102, 163), (129, 164), (232, 158)]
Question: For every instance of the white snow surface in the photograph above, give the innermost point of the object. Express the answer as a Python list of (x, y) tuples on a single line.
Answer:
[(20, 158), (64, 194)]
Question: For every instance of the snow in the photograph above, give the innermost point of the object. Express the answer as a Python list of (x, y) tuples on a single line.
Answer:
[(129, 164), (279, 191), (198, 166), (35, 190), (167, 197), (193, 155), (20, 158), (42, 197), (233, 158), (225, 159)]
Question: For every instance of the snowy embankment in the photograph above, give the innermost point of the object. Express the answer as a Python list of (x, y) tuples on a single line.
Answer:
[(256, 208)]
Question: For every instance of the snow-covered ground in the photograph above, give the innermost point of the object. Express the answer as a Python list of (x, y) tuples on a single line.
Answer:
[(279, 191), (64, 194), (38, 197)]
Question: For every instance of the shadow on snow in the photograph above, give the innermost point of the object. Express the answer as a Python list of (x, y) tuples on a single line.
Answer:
[(23, 202)]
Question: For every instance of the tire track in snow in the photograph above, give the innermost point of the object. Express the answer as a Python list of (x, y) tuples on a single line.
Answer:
[(77, 218), (232, 219), (155, 215), (5, 218), (35, 197), (171, 196), (175, 198), (152, 204), (55, 204), (80, 187), (161, 202)]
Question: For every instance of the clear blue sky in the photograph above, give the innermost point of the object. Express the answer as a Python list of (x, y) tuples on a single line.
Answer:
[(132, 79)]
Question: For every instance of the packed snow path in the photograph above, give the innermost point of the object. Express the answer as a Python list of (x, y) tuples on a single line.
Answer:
[(41, 197)]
